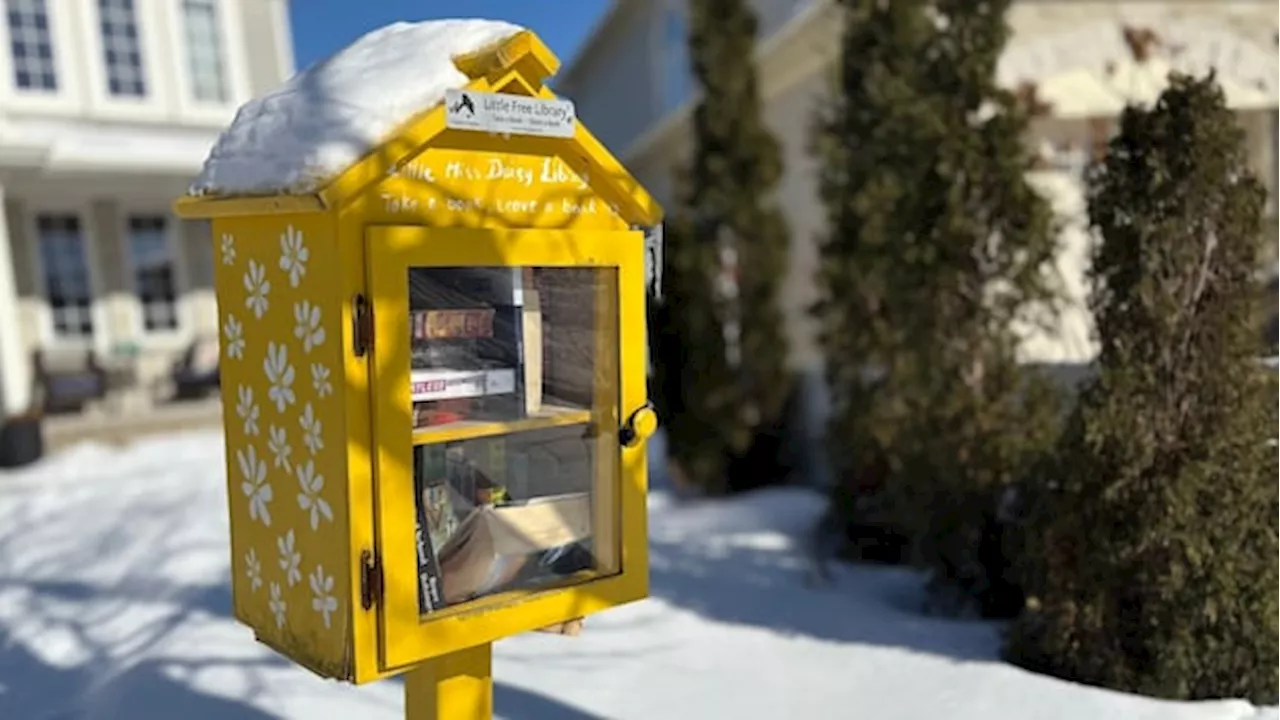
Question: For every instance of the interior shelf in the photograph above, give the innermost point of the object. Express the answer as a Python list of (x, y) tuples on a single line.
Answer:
[(549, 416)]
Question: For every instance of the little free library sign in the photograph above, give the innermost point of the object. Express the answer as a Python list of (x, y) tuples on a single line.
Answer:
[(508, 114)]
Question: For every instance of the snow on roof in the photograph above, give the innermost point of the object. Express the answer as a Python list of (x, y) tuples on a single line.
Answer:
[(328, 116), (1246, 70), (1079, 93)]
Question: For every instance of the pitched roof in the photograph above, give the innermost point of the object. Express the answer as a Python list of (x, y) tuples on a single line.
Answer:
[(324, 119)]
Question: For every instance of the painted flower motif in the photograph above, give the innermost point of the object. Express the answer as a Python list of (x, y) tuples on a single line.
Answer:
[(278, 444), (311, 430), (322, 599), (233, 330), (254, 485), (290, 559), (320, 380), (293, 255), (307, 325), (280, 375), (309, 499), (256, 287), (253, 569), (277, 605), (228, 249), (247, 409)]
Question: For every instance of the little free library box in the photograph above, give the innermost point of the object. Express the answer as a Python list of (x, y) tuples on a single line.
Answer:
[(431, 284)]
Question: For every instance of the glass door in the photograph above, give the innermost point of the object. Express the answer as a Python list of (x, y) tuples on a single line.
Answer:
[(498, 395)]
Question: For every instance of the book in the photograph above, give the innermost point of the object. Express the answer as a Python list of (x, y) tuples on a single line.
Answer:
[(463, 324), (466, 343), (434, 516), (432, 384), (494, 543)]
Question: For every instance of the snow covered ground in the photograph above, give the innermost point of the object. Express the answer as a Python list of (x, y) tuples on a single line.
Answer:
[(114, 604)]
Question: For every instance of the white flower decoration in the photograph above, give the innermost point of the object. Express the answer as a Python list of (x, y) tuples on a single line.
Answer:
[(311, 430), (309, 499), (228, 249), (278, 444), (307, 325), (322, 599), (254, 485), (247, 409), (233, 329), (290, 559), (253, 568), (280, 375), (320, 380), (293, 255), (277, 605), (256, 287)]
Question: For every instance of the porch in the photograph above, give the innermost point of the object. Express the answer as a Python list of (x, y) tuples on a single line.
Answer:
[(104, 297), (123, 426)]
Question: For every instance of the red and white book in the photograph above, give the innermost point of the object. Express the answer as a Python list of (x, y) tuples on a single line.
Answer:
[(443, 384)]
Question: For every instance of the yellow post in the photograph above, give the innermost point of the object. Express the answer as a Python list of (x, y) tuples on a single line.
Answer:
[(457, 686)]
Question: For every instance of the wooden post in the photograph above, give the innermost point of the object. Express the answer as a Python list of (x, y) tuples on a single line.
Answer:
[(457, 686)]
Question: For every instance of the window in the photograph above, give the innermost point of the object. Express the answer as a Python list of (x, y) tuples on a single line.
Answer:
[(204, 50), (677, 79), (122, 47), (66, 275), (31, 45), (153, 276)]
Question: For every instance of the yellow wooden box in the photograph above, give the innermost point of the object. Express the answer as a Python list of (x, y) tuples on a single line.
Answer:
[(315, 359)]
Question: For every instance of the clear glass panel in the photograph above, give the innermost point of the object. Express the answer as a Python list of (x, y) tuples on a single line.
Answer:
[(514, 389)]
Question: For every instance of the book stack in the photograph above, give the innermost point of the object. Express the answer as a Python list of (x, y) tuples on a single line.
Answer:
[(473, 541), (470, 356)]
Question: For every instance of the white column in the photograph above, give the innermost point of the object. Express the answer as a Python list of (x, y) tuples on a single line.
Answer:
[(1275, 160), (15, 361)]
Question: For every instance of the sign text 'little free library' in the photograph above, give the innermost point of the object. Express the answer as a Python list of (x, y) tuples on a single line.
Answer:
[(509, 114)]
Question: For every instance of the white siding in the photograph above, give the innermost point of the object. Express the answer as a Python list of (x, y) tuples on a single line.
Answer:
[(614, 90), (789, 115), (622, 82), (792, 82), (82, 83), (773, 15)]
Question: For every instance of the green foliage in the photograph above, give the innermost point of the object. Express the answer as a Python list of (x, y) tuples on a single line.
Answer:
[(714, 406), (936, 245), (1153, 539)]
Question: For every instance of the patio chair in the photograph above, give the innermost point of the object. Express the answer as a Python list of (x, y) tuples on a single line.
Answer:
[(67, 380), (195, 373)]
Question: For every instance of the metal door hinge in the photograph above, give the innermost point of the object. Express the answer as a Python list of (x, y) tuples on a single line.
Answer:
[(370, 580), (362, 322)]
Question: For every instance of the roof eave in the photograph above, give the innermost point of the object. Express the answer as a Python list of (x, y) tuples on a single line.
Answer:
[(592, 42), (522, 62)]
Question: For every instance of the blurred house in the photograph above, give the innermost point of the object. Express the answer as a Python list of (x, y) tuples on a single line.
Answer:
[(1083, 58), (107, 110)]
